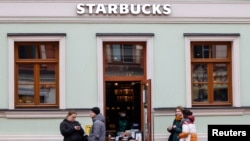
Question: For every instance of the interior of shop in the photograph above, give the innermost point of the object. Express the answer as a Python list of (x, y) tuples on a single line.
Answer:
[(122, 100)]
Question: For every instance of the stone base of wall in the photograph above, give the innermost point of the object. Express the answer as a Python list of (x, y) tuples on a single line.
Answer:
[(157, 137), (164, 137)]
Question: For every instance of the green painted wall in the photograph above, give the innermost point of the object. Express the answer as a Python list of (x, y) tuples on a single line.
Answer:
[(39, 126), (169, 58), (81, 69)]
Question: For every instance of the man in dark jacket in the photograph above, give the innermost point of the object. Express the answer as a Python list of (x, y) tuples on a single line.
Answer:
[(71, 129), (98, 130)]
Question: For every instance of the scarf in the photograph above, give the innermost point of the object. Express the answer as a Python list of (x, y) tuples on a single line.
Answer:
[(178, 117)]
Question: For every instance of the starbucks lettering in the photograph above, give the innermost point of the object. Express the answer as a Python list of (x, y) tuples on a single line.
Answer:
[(135, 9)]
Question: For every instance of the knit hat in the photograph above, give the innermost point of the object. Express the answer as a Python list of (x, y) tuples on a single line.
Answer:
[(95, 110)]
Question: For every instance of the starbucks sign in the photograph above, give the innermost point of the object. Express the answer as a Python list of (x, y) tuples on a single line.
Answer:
[(122, 9)]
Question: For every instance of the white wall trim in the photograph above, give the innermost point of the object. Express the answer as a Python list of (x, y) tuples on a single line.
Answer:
[(100, 72), (128, 20), (164, 136), (31, 138), (159, 112), (207, 112), (149, 56), (235, 65), (39, 114), (182, 12), (61, 40)]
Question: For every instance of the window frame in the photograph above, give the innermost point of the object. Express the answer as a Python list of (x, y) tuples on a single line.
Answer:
[(211, 62), (122, 57), (203, 37), (36, 61), (122, 37), (12, 38)]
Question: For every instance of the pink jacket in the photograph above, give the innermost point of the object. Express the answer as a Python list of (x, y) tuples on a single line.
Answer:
[(188, 130)]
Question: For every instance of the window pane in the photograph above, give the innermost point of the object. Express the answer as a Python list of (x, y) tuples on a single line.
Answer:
[(47, 83), (128, 54), (200, 93), (48, 93), (201, 51), (220, 73), (25, 83), (219, 51), (199, 80), (27, 52), (199, 73), (25, 93), (25, 74), (116, 53), (47, 73), (220, 92), (127, 60), (47, 51)]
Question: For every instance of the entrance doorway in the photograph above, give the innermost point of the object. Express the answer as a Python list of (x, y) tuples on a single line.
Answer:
[(122, 97), (125, 70), (131, 98)]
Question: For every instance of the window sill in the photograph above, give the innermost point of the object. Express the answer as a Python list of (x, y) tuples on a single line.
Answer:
[(208, 111), (26, 114)]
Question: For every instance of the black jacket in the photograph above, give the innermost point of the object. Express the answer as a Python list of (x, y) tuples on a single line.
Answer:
[(68, 131), (175, 131)]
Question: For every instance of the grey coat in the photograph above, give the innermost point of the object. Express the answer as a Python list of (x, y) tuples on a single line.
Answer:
[(98, 130)]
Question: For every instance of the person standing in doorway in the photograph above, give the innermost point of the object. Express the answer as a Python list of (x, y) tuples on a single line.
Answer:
[(98, 130), (176, 128), (122, 123), (71, 129)]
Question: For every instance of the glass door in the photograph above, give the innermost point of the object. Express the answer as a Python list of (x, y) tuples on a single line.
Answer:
[(146, 111)]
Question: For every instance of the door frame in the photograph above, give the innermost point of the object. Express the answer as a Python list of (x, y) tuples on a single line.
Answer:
[(122, 37)]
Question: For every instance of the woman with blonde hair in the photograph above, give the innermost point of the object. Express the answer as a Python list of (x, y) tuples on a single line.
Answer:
[(70, 128)]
